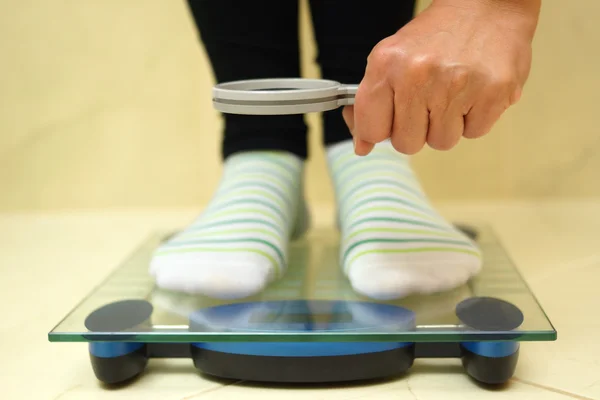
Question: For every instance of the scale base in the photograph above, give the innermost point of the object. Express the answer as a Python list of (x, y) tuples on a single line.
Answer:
[(327, 369), (377, 365), (347, 368)]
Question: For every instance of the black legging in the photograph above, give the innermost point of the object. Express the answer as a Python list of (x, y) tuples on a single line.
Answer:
[(250, 39)]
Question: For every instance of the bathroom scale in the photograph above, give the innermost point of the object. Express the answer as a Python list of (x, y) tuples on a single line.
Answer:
[(309, 326)]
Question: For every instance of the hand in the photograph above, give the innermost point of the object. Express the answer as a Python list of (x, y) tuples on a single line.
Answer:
[(450, 73)]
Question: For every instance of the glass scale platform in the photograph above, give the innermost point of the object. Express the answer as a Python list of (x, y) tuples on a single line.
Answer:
[(310, 326)]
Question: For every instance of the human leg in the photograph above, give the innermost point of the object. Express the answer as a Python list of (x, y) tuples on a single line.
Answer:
[(394, 242), (239, 243)]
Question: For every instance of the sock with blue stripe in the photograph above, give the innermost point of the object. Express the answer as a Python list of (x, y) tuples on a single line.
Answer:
[(394, 243), (239, 244)]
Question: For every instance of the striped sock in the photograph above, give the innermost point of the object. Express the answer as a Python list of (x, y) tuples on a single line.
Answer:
[(394, 243), (238, 245)]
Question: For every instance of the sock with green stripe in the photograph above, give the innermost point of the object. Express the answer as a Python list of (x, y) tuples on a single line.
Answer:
[(239, 244), (394, 243)]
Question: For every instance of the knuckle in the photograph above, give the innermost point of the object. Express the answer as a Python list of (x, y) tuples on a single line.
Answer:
[(502, 89), (458, 76), (503, 83), (419, 67), (514, 97), (382, 56)]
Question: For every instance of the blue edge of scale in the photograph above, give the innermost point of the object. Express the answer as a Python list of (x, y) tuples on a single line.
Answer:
[(490, 362), (299, 349)]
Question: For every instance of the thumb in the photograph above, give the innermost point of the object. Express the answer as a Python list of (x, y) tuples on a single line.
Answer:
[(361, 148)]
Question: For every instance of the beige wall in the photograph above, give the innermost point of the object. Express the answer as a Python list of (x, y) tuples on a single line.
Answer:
[(107, 104)]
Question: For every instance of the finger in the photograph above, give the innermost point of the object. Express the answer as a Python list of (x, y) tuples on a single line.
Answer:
[(446, 126), (373, 111), (411, 120), (484, 114), (361, 147), (516, 95), (348, 115), (481, 119), (456, 89)]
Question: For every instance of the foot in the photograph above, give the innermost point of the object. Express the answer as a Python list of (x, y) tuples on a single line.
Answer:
[(394, 243), (240, 242)]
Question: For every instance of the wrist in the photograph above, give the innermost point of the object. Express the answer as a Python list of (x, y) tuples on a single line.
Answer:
[(524, 7), (519, 14)]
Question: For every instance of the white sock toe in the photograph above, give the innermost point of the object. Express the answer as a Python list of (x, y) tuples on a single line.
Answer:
[(394, 243), (240, 242)]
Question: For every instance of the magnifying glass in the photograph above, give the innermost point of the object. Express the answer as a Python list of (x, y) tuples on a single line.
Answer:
[(281, 96)]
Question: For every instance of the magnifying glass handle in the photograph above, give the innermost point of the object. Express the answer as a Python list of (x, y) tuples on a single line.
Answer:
[(346, 94)]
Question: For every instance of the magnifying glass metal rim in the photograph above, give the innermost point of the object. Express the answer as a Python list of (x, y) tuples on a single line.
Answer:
[(281, 96)]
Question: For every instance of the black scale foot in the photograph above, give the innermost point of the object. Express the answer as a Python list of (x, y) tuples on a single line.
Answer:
[(491, 370), (117, 361)]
